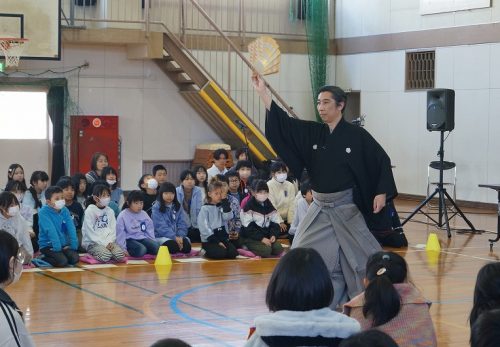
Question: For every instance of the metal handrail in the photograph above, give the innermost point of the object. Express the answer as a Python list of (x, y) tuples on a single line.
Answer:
[(238, 52)]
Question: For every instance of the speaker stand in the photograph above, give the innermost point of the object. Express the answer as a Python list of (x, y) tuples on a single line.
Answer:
[(443, 218)]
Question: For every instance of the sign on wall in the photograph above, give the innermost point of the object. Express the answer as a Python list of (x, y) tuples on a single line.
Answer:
[(440, 6)]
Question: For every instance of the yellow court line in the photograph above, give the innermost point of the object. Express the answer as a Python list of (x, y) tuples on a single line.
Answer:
[(242, 117), (230, 124)]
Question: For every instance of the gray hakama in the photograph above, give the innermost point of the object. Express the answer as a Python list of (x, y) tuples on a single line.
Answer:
[(335, 227)]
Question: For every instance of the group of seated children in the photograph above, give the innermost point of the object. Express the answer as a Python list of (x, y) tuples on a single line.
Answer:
[(88, 213)]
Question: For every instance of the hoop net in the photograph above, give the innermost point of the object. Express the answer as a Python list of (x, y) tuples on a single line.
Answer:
[(12, 49)]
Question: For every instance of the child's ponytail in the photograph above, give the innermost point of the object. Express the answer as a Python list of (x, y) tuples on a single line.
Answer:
[(382, 300)]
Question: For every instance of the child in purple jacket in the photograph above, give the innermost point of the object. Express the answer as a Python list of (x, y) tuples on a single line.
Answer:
[(134, 228)]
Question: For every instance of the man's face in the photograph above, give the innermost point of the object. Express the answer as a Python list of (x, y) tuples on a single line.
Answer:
[(161, 176), (220, 162), (68, 194), (328, 108)]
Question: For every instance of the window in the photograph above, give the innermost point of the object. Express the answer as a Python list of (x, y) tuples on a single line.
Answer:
[(420, 70), (23, 115)]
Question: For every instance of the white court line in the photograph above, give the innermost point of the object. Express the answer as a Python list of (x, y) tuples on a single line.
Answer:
[(468, 256)]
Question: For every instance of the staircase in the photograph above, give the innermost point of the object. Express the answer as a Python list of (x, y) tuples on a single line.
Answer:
[(211, 97), (210, 101)]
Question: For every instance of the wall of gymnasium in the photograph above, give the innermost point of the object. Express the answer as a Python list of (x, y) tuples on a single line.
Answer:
[(156, 123), (397, 118)]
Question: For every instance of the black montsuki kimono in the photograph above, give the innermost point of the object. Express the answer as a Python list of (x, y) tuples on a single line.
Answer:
[(348, 157)]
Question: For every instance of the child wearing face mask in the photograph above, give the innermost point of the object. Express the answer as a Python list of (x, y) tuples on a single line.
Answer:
[(148, 185), (12, 222), (212, 220), (110, 175), (19, 190), (260, 223), (282, 195), (57, 233), (170, 222), (12, 329), (99, 227)]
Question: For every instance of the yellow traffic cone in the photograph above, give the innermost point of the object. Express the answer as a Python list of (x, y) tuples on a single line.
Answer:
[(163, 256), (433, 243)]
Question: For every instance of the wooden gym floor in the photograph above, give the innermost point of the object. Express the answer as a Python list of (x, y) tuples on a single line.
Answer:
[(213, 303)]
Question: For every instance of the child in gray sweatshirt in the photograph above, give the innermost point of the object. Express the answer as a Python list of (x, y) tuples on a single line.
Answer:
[(211, 220)]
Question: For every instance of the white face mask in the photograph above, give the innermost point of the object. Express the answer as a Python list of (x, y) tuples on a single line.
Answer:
[(281, 177), (59, 204), (261, 197), (152, 183), (111, 182), (13, 211), (104, 201)]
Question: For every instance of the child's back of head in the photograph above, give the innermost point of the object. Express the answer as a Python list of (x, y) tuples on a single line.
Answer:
[(485, 331), (486, 291), (382, 301), (369, 338), (300, 282)]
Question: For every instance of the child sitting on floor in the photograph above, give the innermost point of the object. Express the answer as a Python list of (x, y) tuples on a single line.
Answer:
[(99, 227), (12, 222), (392, 304), (302, 205), (134, 229), (57, 232), (299, 294), (260, 223), (211, 222), (149, 186), (169, 220)]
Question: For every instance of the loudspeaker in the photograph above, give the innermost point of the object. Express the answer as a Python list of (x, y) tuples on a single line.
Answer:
[(440, 110)]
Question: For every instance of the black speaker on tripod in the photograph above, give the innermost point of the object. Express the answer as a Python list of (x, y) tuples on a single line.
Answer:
[(440, 110)]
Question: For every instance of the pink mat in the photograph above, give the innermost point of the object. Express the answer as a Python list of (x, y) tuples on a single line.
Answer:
[(28, 266), (246, 253), (87, 258)]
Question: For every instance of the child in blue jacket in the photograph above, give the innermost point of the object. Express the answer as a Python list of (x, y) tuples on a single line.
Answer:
[(170, 222), (57, 232)]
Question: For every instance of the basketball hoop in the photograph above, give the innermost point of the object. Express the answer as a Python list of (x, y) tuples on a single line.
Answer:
[(12, 49)]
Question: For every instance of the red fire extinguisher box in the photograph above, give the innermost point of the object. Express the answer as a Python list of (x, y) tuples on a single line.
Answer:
[(90, 134)]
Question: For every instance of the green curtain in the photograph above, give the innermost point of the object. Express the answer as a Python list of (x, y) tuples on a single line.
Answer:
[(316, 23)]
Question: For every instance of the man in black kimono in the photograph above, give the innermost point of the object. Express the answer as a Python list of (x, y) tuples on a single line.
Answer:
[(351, 177)]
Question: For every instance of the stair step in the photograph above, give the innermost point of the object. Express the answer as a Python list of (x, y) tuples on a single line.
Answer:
[(172, 66), (184, 79)]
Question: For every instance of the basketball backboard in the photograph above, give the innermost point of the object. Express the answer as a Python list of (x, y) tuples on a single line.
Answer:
[(35, 20)]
